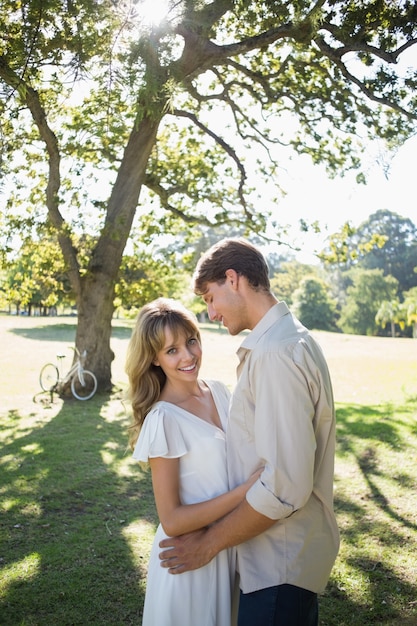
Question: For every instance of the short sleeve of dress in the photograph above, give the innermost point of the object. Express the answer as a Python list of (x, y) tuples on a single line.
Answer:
[(160, 435)]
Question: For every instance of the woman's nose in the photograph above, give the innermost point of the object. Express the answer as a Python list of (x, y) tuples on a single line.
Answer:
[(187, 352)]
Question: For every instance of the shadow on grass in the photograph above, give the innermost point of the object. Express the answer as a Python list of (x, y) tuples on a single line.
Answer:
[(65, 332), (66, 507), (65, 555), (51, 332), (381, 609), (378, 531), (378, 429), (121, 332)]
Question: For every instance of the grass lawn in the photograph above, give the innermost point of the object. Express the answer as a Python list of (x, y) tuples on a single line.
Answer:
[(77, 515)]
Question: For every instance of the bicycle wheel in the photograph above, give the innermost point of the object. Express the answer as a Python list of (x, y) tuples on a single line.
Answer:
[(49, 377), (84, 385)]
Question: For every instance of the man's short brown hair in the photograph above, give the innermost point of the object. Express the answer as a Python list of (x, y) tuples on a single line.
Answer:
[(231, 254)]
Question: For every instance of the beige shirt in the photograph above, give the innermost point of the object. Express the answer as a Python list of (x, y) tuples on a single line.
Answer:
[(282, 416)]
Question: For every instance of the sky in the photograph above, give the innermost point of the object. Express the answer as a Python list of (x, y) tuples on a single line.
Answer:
[(311, 195)]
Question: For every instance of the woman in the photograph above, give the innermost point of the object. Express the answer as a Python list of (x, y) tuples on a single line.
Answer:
[(178, 427)]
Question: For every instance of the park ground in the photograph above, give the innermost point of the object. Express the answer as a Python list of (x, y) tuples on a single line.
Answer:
[(77, 515)]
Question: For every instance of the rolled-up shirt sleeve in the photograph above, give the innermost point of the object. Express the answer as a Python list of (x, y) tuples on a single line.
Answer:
[(282, 384)]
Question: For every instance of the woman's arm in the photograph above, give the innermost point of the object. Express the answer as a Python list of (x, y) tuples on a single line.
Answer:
[(177, 518)]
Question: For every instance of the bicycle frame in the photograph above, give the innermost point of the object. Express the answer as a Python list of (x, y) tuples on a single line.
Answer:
[(76, 367), (83, 383)]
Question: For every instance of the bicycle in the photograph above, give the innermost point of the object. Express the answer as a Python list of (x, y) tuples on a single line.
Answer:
[(83, 382)]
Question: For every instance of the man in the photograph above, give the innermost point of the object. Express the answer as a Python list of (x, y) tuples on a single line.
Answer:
[(282, 418)]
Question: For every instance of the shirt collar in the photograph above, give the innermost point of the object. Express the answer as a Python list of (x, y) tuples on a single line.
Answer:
[(274, 314)]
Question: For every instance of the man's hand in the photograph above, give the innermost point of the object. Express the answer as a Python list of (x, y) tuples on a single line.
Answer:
[(186, 552)]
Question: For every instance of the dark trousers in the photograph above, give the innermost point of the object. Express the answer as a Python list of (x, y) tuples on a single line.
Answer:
[(284, 605)]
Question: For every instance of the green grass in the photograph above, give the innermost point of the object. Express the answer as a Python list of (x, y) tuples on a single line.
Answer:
[(77, 515), (374, 580), (77, 518)]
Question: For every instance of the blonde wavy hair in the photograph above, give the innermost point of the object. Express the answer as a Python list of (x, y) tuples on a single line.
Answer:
[(147, 380)]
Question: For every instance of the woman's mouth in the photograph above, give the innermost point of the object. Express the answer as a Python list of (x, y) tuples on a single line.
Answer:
[(189, 368)]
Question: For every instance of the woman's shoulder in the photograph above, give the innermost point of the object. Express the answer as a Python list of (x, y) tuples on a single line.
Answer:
[(160, 411), (161, 434), (217, 387), (214, 383)]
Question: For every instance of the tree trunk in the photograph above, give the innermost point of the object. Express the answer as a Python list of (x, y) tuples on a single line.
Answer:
[(95, 289), (95, 312)]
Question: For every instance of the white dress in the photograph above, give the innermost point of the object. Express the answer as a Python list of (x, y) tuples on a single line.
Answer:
[(201, 597)]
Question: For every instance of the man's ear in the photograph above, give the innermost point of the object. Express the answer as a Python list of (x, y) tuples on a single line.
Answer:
[(233, 277)]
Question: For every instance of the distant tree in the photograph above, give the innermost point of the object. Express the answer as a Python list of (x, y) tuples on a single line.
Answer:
[(144, 277), (385, 240), (343, 252), (184, 247), (287, 279), (389, 312), (368, 289), (410, 305), (4, 303), (36, 278), (313, 306), (278, 262), (398, 256)]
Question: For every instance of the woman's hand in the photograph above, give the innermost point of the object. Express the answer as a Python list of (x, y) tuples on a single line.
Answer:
[(252, 479)]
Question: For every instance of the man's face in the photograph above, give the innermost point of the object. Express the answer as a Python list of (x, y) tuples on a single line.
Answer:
[(225, 304)]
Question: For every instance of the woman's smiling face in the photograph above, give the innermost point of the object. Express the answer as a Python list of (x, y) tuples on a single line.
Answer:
[(180, 358)]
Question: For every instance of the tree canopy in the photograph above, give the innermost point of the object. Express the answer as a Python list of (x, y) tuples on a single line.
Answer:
[(367, 291), (384, 241), (313, 306), (107, 119), (398, 255)]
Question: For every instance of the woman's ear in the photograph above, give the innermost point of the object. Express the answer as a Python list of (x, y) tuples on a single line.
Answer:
[(156, 362)]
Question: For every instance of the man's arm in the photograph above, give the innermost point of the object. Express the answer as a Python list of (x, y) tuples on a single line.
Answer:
[(193, 550)]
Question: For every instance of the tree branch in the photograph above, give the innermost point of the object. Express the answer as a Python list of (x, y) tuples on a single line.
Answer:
[(334, 55), (154, 185), (228, 149), (356, 44), (32, 101)]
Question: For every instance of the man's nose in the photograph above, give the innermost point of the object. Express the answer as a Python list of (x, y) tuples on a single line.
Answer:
[(211, 312)]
